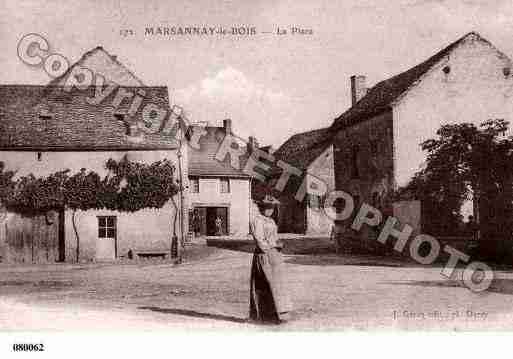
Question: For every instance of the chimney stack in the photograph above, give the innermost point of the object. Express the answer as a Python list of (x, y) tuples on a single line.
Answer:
[(133, 129), (227, 124), (358, 88), (252, 144)]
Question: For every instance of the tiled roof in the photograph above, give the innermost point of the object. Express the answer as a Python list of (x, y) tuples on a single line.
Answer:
[(202, 162), (380, 97), (303, 148), (73, 123)]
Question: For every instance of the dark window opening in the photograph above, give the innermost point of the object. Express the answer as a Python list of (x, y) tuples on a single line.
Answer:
[(354, 162), (107, 227), (375, 199), (356, 200), (211, 221), (194, 185), (225, 185), (315, 201), (121, 117), (45, 119), (357, 204), (374, 148)]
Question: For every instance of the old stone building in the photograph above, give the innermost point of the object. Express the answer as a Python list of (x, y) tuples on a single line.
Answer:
[(44, 129), (312, 153), (377, 141)]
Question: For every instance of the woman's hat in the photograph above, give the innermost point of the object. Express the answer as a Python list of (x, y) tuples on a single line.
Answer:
[(268, 201)]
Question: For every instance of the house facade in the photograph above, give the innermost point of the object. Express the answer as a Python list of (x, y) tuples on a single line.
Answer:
[(45, 129), (377, 141), (375, 144), (218, 195), (312, 153)]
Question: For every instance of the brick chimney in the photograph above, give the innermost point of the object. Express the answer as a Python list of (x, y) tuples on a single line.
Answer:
[(227, 125), (358, 88), (252, 144), (133, 129)]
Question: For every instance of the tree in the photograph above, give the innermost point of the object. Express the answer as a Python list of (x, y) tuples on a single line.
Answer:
[(6, 182), (465, 162), (84, 191)]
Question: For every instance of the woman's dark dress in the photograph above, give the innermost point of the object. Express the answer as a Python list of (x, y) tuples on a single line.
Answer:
[(268, 294)]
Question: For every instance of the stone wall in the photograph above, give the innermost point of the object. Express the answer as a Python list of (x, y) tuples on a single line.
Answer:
[(322, 168), (368, 146), (373, 142), (29, 239), (145, 229)]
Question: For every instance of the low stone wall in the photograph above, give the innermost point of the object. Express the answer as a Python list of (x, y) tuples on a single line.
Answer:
[(362, 242), (350, 242), (302, 245), (494, 251), (489, 251)]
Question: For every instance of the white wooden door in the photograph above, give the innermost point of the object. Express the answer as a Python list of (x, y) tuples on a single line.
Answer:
[(107, 236)]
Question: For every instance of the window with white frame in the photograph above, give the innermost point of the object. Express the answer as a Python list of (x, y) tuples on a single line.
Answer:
[(224, 185), (194, 184), (107, 227)]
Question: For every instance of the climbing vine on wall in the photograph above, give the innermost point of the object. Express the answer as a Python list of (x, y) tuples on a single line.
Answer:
[(128, 187)]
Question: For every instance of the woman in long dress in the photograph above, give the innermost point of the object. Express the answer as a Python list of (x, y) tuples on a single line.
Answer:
[(269, 300)]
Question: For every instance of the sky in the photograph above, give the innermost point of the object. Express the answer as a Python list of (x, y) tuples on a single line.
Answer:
[(271, 86)]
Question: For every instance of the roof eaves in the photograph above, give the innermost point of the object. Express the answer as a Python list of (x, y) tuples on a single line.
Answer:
[(422, 68), (15, 148), (217, 175)]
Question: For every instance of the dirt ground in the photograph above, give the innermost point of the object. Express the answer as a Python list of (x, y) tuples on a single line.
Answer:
[(210, 291)]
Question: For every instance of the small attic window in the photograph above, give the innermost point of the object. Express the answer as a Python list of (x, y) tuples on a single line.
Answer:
[(153, 114), (506, 71), (374, 147), (80, 77), (45, 117), (446, 69), (121, 117), (39, 156), (45, 112)]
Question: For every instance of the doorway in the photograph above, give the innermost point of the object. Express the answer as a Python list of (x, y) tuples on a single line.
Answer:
[(213, 220), (106, 245), (61, 256)]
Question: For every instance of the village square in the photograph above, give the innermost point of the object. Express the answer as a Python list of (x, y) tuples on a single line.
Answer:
[(113, 201)]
